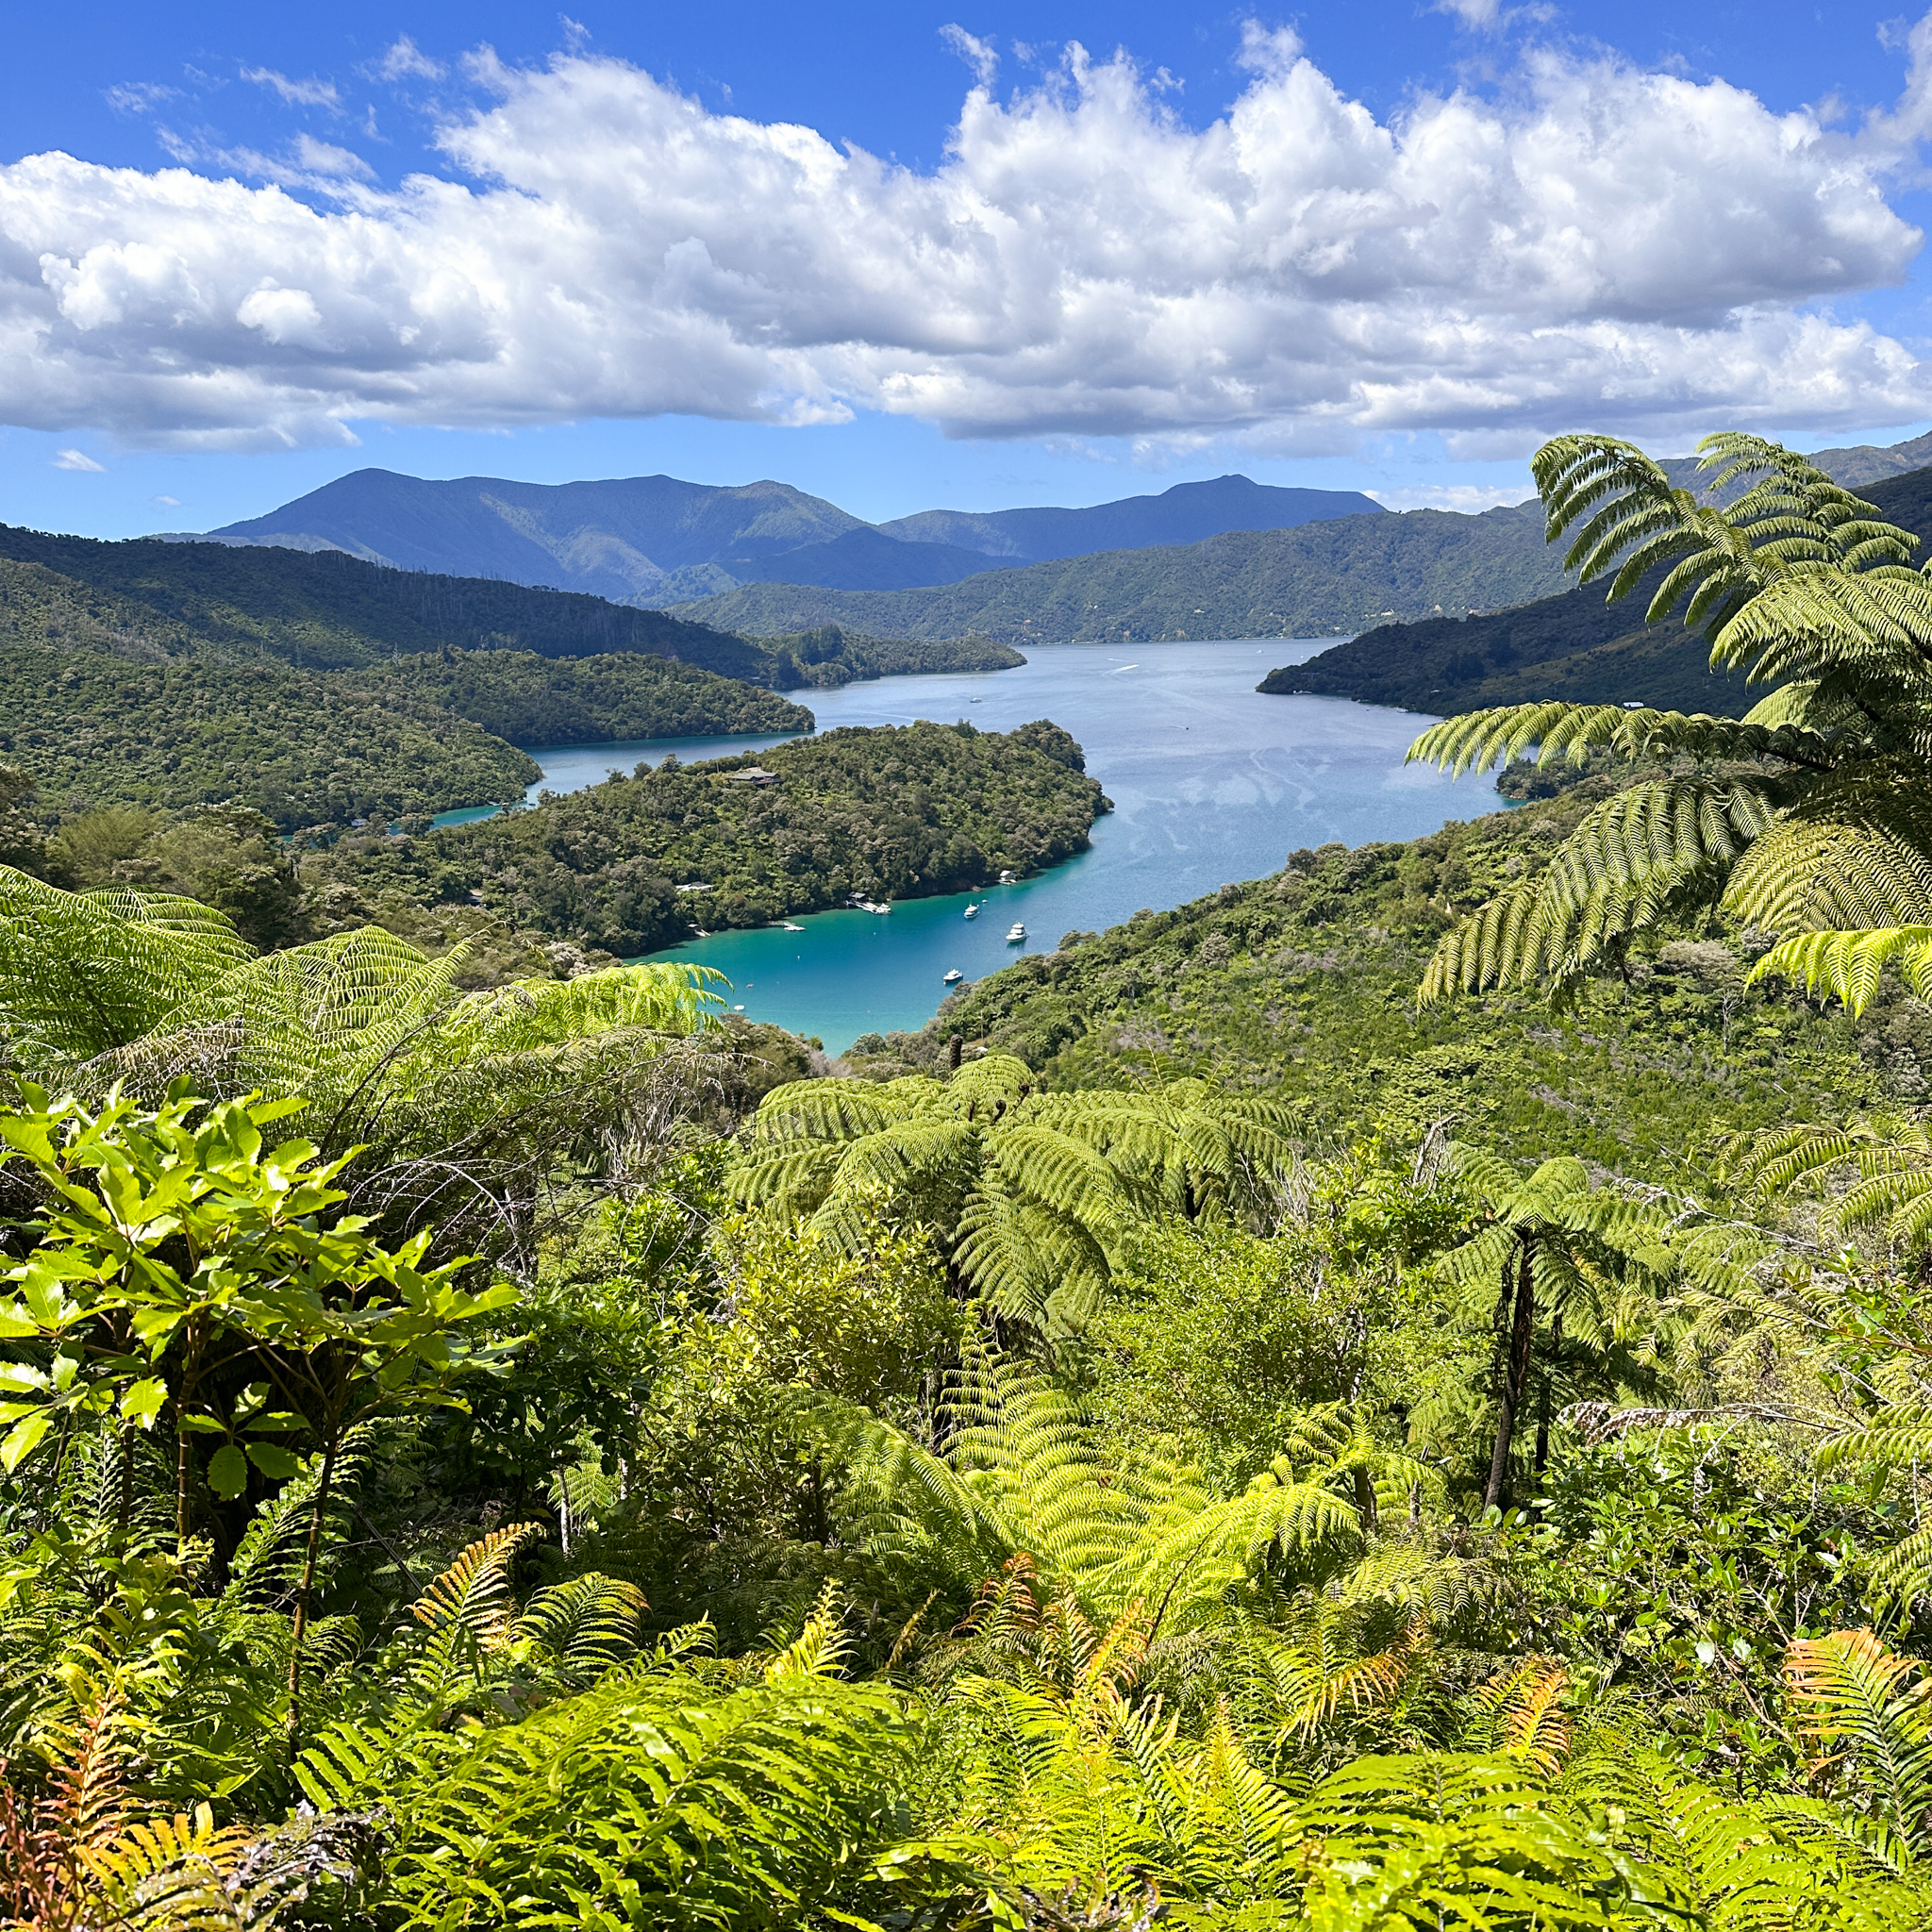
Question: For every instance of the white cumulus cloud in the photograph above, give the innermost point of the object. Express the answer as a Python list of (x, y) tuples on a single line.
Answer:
[(1597, 244)]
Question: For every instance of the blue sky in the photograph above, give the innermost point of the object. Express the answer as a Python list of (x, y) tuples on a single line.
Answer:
[(1370, 245)]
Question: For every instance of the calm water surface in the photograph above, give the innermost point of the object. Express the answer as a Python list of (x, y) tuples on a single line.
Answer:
[(1210, 782)]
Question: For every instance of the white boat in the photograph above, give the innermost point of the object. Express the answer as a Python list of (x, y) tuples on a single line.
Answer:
[(786, 925), (970, 912), (954, 977), (1015, 933)]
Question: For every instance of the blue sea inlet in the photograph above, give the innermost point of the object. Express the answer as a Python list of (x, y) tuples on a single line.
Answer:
[(1211, 781)]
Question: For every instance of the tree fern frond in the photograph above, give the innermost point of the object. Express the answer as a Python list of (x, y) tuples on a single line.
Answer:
[(83, 973), (1850, 966)]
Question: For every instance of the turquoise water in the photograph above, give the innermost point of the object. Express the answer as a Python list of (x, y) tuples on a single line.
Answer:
[(1212, 782)]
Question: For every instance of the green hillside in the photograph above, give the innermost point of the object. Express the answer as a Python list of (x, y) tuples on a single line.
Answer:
[(324, 610), (1577, 647), (827, 655), (105, 700), (1302, 986), (529, 700), (91, 730), (1335, 575)]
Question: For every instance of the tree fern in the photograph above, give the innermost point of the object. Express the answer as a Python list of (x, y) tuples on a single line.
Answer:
[(1809, 816), (1035, 1192), (1877, 1174), (84, 972), (1026, 1470)]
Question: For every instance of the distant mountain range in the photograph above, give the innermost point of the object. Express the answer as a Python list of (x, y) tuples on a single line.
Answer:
[(1229, 558), (1336, 576), (1577, 647), (1340, 575), (654, 541)]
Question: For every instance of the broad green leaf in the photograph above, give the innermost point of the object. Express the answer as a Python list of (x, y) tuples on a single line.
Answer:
[(273, 1460), (227, 1472), (144, 1400), (24, 1438)]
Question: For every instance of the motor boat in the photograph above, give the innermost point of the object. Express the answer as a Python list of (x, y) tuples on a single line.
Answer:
[(786, 925), (970, 912), (1015, 933), (954, 977)]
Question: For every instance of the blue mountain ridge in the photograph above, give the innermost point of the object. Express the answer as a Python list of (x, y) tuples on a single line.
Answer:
[(653, 541)]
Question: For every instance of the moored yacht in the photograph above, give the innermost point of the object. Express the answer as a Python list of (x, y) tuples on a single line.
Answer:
[(1015, 933), (970, 912), (954, 977)]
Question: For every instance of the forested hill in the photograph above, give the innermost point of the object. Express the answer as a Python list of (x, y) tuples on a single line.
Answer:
[(1323, 578), (324, 610), (1303, 985), (1577, 646), (313, 751), (637, 863)]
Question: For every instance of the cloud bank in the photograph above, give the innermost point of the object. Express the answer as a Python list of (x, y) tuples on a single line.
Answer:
[(1598, 244)]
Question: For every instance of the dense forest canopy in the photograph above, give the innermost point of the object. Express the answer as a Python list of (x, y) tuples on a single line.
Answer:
[(639, 862), (1235, 1425)]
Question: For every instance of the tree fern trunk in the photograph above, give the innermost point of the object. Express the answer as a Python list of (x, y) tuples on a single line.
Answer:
[(1543, 1398), (1365, 1500), (1515, 1376), (306, 1592)]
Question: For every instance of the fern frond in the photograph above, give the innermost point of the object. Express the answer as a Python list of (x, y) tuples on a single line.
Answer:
[(1855, 1696), (472, 1597), (588, 1623)]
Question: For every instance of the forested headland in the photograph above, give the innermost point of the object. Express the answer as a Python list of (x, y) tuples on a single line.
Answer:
[(1392, 1399), (640, 861), (1579, 647)]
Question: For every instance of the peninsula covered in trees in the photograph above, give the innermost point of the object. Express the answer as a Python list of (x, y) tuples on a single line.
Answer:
[(640, 861)]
